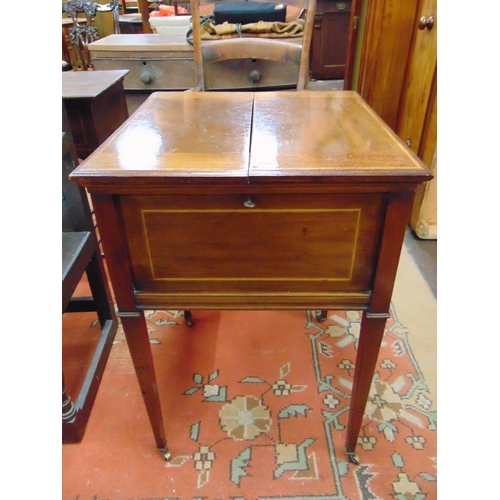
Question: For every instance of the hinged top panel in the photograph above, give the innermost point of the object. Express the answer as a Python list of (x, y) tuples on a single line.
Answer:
[(234, 139), (176, 138), (331, 136)]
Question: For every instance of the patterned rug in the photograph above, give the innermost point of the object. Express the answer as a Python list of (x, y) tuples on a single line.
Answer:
[(255, 407)]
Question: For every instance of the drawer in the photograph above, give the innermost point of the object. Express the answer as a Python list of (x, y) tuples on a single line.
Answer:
[(152, 74), (179, 74), (311, 245), (250, 73)]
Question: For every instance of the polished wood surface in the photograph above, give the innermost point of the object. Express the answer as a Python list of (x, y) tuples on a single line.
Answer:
[(334, 136), (253, 201), (178, 135), (319, 137)]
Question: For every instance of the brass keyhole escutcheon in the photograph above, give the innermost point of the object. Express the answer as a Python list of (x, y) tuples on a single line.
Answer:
[(249, 202)]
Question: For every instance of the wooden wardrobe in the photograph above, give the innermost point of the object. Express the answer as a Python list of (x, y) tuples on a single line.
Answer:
[(397, 76)]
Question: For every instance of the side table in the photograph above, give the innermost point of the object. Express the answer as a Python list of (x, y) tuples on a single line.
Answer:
[(96, 106), (239, 200)]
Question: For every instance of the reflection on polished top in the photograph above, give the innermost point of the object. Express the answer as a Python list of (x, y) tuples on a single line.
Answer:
[(328, 136)]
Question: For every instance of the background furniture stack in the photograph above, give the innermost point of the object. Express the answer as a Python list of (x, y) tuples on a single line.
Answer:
[(84, 27), (81, 256), (166, 64), (253, 61)]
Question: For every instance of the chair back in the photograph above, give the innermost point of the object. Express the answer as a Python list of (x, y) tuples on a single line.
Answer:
[(276, 46), (84, 30)]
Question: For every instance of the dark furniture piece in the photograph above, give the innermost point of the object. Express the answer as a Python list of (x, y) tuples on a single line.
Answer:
[(81, 255), (130, 24), (96, 106), (288, 200), (329, 41)]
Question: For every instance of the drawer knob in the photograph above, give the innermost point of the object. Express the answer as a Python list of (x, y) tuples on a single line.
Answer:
[(255, 76), (146, 77), (426, 22)]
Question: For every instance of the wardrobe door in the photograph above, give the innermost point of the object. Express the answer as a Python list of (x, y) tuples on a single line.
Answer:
[(386, 46), (417, 124)]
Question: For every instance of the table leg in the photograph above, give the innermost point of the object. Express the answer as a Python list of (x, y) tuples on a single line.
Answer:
[(136, 333), (134, 324), (373, 323), (370, 338)]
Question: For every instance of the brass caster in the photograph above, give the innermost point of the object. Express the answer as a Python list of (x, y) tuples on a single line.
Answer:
[(188, 318), (320, 316), (166, 455), (353, 458)]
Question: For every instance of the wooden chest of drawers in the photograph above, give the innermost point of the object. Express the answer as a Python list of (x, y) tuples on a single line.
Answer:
[(155, 62), (164, 62)]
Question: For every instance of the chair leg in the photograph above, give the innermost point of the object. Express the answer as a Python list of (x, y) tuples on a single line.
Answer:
[(101, 294), (68, 408)]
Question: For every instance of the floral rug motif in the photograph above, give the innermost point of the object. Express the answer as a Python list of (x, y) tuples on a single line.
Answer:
[(256, 406)]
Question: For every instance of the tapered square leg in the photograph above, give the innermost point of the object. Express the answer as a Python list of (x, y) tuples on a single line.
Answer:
[(136, 333), (370, 338)]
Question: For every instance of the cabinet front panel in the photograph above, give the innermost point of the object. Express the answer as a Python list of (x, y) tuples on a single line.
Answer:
[(82, 126), (329, 44), (229, 244)]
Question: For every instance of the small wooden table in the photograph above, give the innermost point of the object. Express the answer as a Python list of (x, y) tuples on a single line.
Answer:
[(278, 200), (96, 106)]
